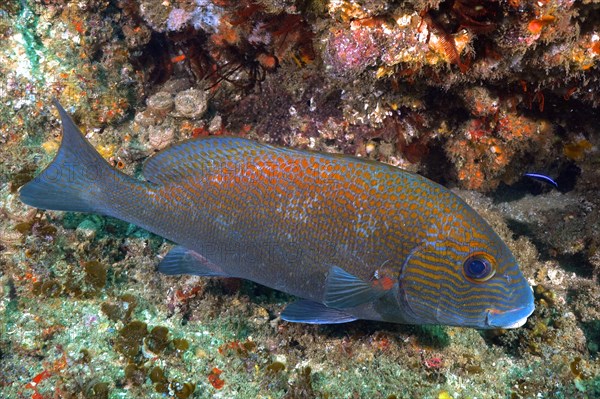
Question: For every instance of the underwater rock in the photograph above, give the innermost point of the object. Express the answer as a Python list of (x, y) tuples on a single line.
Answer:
[(88, 228), (159, 137), (160, 104), (191, 103)]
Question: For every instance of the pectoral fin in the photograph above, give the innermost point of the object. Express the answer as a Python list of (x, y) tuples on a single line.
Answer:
[(310, 312), (344, 290), (181, 260)]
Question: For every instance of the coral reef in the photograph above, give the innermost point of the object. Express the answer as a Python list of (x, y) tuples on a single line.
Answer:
[(473, 94)]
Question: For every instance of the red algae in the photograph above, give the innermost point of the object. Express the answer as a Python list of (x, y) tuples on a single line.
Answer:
[(215, 379)]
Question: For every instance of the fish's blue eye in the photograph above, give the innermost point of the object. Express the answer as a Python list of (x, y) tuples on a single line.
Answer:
[(478, 268)]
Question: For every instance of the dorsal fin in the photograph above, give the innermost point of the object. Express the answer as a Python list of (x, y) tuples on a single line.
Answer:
[(200, 155)]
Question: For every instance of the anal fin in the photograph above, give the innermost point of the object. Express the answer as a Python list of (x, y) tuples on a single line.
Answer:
[(181, 260), (305, 311)]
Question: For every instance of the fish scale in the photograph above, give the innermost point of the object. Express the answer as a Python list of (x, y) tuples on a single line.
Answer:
[(354, 238)]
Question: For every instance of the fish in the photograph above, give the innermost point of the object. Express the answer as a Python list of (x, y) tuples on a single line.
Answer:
[(543, 178), (350, 237)]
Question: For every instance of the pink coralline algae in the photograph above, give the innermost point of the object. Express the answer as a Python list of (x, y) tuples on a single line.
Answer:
[(407, 39), (485, 146), (353, 50)]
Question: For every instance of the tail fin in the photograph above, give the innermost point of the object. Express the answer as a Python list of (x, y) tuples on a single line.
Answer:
[(75, 178)]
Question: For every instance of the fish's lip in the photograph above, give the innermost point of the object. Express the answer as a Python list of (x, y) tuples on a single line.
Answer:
[(496, 319), (517, 323)]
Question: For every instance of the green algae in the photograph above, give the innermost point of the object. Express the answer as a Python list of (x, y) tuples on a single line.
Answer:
[(37, 226), (27, 23), (302, 387), (157, 340), (275, 367), (51, 288), (121, 310), (434, 336), (182, 390), (130, 338), (181, 345), (157, 375), (592, 387), (135, 374), (24, 175), (95, 274), (86, 356), (591, 330), (99, 390)]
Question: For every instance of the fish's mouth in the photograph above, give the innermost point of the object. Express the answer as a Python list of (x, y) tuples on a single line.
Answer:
[(512, 318), (490, 322)]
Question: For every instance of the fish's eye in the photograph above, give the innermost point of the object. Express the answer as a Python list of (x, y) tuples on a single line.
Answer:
[(478, 267)]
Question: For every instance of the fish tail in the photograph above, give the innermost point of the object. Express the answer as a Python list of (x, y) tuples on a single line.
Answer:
[(75, 179)]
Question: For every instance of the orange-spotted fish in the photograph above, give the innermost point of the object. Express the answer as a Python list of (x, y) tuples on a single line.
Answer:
[(353, 238)]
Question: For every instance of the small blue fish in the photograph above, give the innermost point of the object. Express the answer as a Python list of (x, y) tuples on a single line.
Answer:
[(542, 178), (356, 239)]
